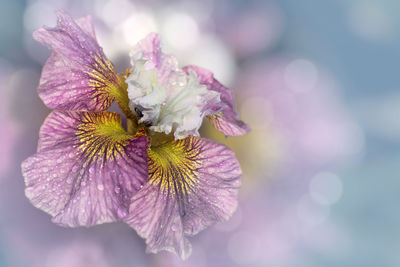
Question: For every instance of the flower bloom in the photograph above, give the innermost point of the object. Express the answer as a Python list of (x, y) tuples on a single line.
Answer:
[(158, 176)]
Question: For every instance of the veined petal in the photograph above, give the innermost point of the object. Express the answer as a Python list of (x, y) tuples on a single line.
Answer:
[(86, 24), (77, 76), (193, 183), (227, 120), (86, 169), (149, 50)]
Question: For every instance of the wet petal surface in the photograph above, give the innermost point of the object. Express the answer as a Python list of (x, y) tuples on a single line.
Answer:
[(193, 183), (86, 169), (227, 120), (77, 75)]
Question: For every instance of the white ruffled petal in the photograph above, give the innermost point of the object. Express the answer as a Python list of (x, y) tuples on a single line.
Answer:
[(168, 98)]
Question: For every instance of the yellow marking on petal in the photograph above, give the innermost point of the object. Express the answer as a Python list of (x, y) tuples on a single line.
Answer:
[(100, 135), (174, 166), (214, 118), (102, 79), (121, 97), (108, 85)]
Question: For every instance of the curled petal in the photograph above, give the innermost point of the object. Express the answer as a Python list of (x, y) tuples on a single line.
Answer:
[(193, 183), (227, 123), (166, 97), (227, 120), (149, 49), (77, 76), (86, 24), (86, 169)]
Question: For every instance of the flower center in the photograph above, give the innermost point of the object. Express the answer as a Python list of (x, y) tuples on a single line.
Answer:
[(166, 99)]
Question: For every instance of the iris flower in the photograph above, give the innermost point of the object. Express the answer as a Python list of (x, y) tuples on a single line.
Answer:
[(157, 175)]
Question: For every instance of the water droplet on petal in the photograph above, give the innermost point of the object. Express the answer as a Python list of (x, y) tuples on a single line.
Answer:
[(100, 187), (121, 213)]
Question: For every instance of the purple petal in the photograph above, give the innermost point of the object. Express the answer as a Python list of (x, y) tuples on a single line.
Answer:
[(227, 120), (86, 24), (227, 123), (193, 183), (77, 76), (86, 169), (150, 49)]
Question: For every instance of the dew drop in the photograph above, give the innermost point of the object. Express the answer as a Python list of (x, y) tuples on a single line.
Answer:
[(121, 213), (100, 187)]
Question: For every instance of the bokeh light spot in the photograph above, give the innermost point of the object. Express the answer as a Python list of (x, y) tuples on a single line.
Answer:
[(33, 16), (370, 21), (310, 212), (181, 30), (301, 75), (326, 188), (244, 247), (256, 111), (212, 54), (137, 26)]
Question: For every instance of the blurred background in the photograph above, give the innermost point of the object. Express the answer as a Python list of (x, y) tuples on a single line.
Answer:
[(318, 81)]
